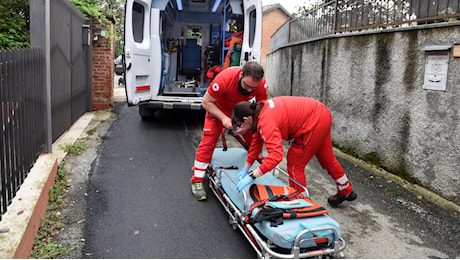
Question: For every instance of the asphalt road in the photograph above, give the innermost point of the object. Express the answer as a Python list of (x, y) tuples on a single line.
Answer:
[(131, 198), (139, 201)]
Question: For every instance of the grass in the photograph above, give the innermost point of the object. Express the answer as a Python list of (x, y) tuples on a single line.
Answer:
[(45, 246), (90, 132), (74, 149)]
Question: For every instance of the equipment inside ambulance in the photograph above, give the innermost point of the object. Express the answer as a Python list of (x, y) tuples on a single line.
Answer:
[(174, 48)]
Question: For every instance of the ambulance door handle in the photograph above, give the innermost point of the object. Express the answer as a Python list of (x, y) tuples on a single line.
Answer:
[(246, 56), (129, 67)]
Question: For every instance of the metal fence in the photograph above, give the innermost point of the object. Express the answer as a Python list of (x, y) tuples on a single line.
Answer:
[(23, 90), (340, 16), (23, 107)]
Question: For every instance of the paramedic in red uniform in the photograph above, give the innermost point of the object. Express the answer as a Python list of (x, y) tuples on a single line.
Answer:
[(229, 87), (305, 122)]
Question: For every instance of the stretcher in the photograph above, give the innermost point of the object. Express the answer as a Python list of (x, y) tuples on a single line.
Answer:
[(316, 236)]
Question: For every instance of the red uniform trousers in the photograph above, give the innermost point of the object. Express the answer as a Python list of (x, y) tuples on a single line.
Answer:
[(318, 143), (212, 130)]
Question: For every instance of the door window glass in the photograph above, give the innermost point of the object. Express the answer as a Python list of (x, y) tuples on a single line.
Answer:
[(138, 22), (252, 27)]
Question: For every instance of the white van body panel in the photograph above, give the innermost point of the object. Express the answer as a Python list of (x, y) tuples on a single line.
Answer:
[(155, 54), (142, 57), (252, 50)]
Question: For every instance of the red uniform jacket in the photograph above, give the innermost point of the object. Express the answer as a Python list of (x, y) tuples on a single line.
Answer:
[(282, 118)]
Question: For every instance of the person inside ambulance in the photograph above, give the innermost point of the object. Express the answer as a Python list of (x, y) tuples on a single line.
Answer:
[(229, 87), (305, 122)]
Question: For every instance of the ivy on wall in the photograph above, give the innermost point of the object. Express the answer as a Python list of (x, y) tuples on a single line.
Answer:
[(94, 9), (14, 24), (101, 10), (14, 20)]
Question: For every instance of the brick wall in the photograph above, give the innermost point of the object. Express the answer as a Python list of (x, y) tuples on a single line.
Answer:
[(102, 71), (271, 22)]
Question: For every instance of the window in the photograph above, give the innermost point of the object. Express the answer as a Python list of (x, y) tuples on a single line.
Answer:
[(138, 22), (195, 32), (252, 27)]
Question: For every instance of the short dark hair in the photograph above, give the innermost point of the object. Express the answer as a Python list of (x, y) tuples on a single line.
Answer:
[(253, 69)]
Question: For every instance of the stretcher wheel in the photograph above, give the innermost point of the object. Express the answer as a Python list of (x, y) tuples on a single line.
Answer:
[(264, 255), (232, 223), (340, 255), (333, 256)]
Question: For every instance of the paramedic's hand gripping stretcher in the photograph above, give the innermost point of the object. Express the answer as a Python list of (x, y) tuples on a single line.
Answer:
[(277, 220)]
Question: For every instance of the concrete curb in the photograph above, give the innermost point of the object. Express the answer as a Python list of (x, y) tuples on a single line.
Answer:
[(416, 189), (23, 217), (21, 222)]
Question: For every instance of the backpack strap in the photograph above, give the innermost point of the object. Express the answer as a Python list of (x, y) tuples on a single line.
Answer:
[(261, 194)]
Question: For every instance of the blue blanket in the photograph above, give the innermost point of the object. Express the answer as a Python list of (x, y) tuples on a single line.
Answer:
[(283, 235)]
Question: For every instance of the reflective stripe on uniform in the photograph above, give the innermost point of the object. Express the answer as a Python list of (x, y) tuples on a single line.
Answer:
[(342, 180), (200, 165), (342, 187)]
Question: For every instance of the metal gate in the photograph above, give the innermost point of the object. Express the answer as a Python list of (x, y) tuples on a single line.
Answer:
[(70, 53), (23, 87)]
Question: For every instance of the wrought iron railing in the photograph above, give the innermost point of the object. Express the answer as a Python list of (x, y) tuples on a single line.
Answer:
[(340, 16)]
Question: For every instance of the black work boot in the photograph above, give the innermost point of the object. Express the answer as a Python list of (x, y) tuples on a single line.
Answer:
[(337, 199)]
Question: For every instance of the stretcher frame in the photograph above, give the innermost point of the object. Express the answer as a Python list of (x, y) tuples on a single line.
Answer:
[(265, 249)]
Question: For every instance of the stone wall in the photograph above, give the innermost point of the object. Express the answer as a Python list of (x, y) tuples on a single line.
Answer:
[(373, 85)]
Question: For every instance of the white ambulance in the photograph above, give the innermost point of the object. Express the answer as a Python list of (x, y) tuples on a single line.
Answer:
[(173, 48)]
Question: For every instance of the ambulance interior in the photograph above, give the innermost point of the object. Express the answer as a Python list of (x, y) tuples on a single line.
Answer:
[(199, 39)]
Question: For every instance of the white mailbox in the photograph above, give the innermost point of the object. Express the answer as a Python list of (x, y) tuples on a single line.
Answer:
[(436, 67)]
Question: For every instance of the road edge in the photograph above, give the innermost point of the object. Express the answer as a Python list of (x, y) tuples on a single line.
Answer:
[(21, 222), (414, 188)]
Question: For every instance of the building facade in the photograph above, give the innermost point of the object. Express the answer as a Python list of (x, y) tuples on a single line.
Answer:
[(273, 17)]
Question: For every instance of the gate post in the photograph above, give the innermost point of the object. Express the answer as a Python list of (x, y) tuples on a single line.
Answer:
[(40, 37)]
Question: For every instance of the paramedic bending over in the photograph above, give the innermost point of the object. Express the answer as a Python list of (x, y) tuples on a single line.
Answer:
[(307, 123), (229, 87)]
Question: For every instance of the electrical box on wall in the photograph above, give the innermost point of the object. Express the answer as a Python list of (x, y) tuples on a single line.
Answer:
[(436, 67), (456, 52)]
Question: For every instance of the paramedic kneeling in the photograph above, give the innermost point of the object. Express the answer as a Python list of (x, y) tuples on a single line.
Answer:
[(229, 87), (307, 123)]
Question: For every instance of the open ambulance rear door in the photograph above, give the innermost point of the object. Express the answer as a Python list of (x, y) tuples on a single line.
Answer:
[(142, 51), (252, 38)]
